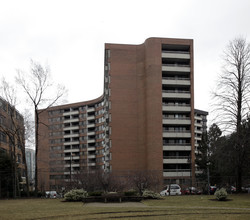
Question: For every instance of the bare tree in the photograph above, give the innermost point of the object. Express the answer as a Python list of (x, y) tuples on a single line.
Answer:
[(14, 130), (41, 93), (145, 179), (29, 141), (232, 95)]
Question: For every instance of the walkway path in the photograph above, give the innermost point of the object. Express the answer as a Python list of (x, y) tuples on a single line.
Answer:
[(139, 204)]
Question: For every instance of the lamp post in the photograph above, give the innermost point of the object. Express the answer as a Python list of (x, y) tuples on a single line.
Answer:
[(70, 173), (208, 178)]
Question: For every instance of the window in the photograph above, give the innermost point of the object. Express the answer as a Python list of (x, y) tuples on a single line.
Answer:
[(2, 137), (56, 141), (19, 158), (3, 105), (56, 148), (56, 176), (54, 155)]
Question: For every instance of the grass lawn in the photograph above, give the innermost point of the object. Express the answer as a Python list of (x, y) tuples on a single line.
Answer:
[(174, 207)]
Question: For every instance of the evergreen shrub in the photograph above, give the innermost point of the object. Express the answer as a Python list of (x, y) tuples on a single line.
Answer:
[(150, 194), (75, 195), (221, 194)]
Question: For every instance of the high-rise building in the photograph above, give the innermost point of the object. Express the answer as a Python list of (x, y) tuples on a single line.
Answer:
[(71, 139), (30, 161), (200, 123), (143, 122)]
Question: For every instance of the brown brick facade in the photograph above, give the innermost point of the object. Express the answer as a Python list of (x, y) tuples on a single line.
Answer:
[(132, 136)]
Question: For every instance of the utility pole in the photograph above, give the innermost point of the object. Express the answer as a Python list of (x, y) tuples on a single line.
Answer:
[(70, 170), (190, 162)]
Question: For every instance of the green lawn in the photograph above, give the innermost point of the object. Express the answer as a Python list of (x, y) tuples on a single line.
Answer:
[(174, 207)]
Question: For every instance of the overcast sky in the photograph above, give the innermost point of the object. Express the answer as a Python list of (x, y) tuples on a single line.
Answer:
[(69, 35)]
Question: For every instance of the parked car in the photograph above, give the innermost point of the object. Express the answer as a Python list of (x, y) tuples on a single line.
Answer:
[(191, 191), (212, 189), (175, 189), (51, 194), (233, 189), (246, 189)]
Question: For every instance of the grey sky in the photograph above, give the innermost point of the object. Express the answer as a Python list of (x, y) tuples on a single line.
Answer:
[(70, 35)]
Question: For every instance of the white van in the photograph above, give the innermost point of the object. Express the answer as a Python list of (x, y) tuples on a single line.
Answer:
[(175, 189)]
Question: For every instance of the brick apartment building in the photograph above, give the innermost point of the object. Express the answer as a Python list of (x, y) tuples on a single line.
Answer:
[(143, 121), (12, 143)]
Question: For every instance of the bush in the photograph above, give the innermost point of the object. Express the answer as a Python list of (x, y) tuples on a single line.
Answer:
[(40, 194), (221, 194), (130, 193), (150, 195), (95, 193), (75, 195)]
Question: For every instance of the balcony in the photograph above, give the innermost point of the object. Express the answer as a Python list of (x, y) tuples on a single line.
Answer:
[(72, 165), (71, 113), (176, 107), (198, 131), (92, 109), (175, 54), (71, 142), (91, 133), (71, 120), (91, 140), (71, 127), (70, 135), (176, 173), (73, 151), (176, 121), (176, 134), (90, 117), (91, 156), (197, 124), (71, 158), (91, 125), (176, 147), (197, 138), (176, 160), (91, 164), (175, 81), (175, 68), (91, 148), (176, 94)]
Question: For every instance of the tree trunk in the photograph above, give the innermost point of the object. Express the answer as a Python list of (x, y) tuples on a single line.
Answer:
[(36, 149), (26, 174)]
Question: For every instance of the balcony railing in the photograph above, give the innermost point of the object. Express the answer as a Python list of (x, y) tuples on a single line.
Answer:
[(176, 65), (176, 157), (173, 118), (179, 104), (175, 78), (175, 51), (176, 144), (175, 91), (176, 131), (176, 170)]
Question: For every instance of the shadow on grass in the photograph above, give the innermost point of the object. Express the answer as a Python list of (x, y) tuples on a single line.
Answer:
[(225, 200)]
